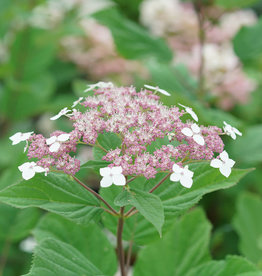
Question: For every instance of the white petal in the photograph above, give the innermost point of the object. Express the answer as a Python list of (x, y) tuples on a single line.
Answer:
[(237, 131), (105, 171), (183, 105), (16, 138), (51, 140), (225, 170), (39, 169), (187, 172), (106, 181), (187, 131), (54, 147), (226, 124), (192, 113), (177, 169), (216, 163), (27, 135), (230, 163), (175, 177), (63, 137), (186, 181), (150, 87), (28, 173), (164, 92), (233, 135), (224, 156), (25, 166), (119, 179), (117, 170), (55, 117), (199, 139), (195, 128)]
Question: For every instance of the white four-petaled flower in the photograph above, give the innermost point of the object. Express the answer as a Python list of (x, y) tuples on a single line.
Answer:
[(194, 132), (224, 164), (75, 103), (19, 137), (157, 89), (99, 84), (63, 112), (55, 141), (190, 111), (231, 131), (112, 176), (29, 169), (184, 175)]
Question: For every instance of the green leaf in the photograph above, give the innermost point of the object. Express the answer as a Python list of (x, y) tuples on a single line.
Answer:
[(95, 165), (88, 240), (123, 198), (231, 4), (175, 198), (56, 258), (185, 246), (132, 41), (55, 193), (248, 225), (248, 148), (232, 266), (16, 224), (248, 43), (149, 206)]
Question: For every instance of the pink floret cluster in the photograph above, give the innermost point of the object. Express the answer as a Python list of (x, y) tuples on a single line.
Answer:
[(141, 122)]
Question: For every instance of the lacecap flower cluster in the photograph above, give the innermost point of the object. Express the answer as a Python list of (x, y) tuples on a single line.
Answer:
[(140, 121)]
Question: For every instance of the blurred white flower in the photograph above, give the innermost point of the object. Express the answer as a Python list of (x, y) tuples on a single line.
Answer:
[(75, 103), (157, 89), (190, 111), (231, 131), (224, 164), (184, 175), (63, 112), (194, 132), (20, 137), (29, 169), (100, 84), (112, 176), (55, 141)]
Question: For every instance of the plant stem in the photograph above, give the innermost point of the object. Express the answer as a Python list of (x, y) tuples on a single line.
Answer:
[(130, 212), (120, 250), (113, 211), (4, 255)]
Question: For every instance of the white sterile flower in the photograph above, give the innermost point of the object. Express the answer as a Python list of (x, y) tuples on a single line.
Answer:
[(157, 89), (29, 169), (194, 132), (231, 131), (112, 176), (28, 245), (55, 141), (190, 111), (184, 175), (75, 103), (100, 84), (19, 137), (63, 112), (224, 164)]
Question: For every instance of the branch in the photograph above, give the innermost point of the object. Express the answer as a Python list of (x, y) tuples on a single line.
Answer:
[(120, 250), (113, 211)]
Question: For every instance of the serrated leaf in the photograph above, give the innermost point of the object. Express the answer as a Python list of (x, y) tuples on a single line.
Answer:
[(55, 193), (88, 240), (56, 258), (132, 41), (248, 225), (123, 199), (185, 246)]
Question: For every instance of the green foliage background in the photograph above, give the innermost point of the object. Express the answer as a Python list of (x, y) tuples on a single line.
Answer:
[(35, 80)]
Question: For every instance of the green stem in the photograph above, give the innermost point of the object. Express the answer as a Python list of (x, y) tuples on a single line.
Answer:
[(112, 210), (120, 250)]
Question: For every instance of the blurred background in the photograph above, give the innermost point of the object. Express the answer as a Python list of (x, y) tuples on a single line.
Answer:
[(206, 53)]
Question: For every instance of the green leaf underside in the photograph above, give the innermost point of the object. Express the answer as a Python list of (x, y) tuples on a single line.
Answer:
[(175, 198), (55, 258), (248, 225), (89, 240), (132, 41), (55, 193)]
